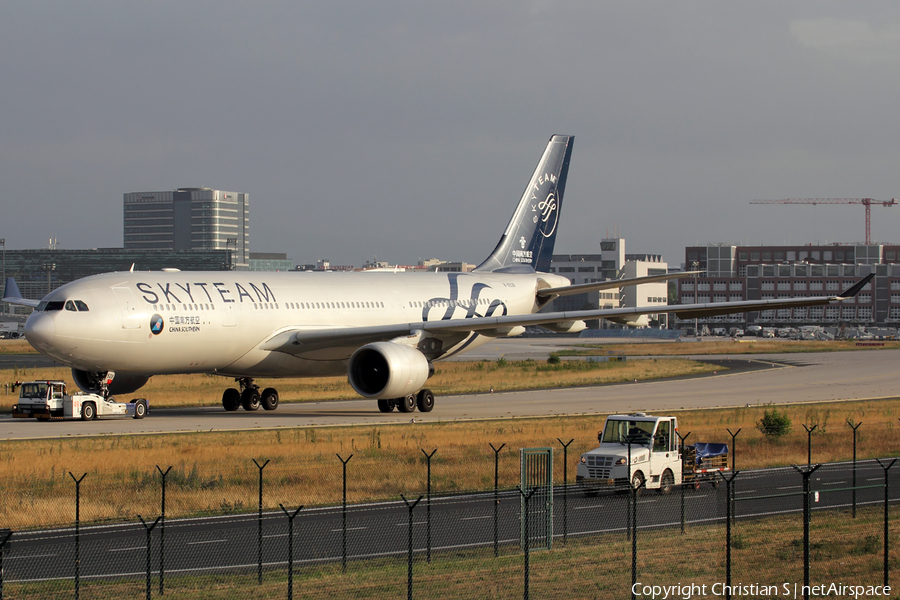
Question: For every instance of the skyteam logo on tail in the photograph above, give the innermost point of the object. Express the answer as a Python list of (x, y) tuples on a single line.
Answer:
[(549, 213)]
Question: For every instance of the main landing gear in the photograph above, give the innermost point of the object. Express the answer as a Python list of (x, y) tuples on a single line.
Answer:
[(249, 396), (424, 400)]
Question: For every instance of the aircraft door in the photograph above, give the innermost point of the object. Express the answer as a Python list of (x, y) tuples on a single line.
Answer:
[(131, 317)]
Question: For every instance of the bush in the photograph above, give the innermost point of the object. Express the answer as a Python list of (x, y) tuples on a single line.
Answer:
[(553, 359), (774, 423)]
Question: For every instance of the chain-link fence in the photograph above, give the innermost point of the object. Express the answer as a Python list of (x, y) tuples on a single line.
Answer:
[(343, 529)]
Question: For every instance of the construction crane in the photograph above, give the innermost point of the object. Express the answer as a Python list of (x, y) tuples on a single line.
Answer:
[(867, 202)]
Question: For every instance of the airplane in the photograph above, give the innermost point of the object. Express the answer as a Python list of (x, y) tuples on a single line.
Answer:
[(383, 330)]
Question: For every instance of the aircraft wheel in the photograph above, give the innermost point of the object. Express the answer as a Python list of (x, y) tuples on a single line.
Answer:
[(231, 399), (88, 411), (270, 399), (140, 409), (385, 405), (250, 399), (407, 404), (425, 400)]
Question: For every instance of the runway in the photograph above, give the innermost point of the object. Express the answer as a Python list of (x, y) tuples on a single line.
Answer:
[(757, 380)]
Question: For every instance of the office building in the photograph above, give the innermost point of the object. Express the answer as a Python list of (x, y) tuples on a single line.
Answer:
[(189, 219)]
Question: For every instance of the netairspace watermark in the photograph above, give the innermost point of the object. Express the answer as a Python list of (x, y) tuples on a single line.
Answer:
[(689, 591)]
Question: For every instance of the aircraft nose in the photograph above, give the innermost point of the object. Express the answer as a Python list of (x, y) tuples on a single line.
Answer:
[(40, 330)]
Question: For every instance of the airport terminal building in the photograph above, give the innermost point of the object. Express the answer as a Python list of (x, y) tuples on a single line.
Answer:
[(735, 273)]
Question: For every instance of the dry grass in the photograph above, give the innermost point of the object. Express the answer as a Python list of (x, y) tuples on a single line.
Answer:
[(450, 378), (214, 471)]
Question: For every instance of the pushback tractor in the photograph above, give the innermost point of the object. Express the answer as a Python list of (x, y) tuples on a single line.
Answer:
[(45, 399)]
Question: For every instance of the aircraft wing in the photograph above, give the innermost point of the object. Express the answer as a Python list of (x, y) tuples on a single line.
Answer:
[(12, 295), (550, 293), (300, 341)]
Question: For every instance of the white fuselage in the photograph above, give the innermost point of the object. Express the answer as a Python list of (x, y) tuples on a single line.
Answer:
[(216, 322)]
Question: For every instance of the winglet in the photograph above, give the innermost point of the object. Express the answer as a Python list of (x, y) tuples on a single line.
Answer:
[(852, 291)]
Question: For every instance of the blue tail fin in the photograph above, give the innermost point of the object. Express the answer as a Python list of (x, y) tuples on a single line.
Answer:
[(529, 237)]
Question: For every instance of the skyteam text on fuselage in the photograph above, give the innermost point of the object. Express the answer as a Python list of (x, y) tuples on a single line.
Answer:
[(383, 330)]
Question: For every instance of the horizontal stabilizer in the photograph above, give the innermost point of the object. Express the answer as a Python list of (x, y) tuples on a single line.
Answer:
[(12, 295)]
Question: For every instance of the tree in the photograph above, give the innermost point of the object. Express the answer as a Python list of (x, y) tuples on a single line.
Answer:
[(774, 424)]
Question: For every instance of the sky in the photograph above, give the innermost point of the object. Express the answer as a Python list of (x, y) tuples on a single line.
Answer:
[(407, 130)]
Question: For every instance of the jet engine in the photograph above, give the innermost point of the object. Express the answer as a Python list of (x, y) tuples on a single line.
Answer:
[(388, 370), (89, 381)]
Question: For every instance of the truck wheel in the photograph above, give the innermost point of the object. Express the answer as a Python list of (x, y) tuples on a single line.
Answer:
[(88, 411), (140, 409), (666, 482), (636, 480)]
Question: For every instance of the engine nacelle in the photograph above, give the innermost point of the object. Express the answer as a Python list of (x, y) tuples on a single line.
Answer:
[(89, 382), (388, 370), (566, 326), (631, 320)]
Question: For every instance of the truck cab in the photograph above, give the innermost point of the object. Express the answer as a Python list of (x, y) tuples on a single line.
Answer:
[(654, 449), (40, 399)]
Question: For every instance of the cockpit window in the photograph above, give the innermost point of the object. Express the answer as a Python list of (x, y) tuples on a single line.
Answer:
[(73, 305), (50, 306)]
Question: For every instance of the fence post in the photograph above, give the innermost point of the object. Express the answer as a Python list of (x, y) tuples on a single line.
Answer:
[(527, 537), (807, 510), (496, 496), (428, 507), (886, 519), (344, 514), (729, 518), (5, 534), (409, 569), (854, 428), (259, 522), (290, 548), (565, 488), (733, 466), (77, 532), (681, 439), (149, 545), (809, 433), (162, 529), (633, 524)]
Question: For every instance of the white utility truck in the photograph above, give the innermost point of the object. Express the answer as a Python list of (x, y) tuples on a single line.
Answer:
[(45, 399), (658, 460)]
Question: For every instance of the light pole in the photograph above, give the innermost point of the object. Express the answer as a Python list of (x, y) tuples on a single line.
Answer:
[(49, 267), (3, 245), (694, 266)]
